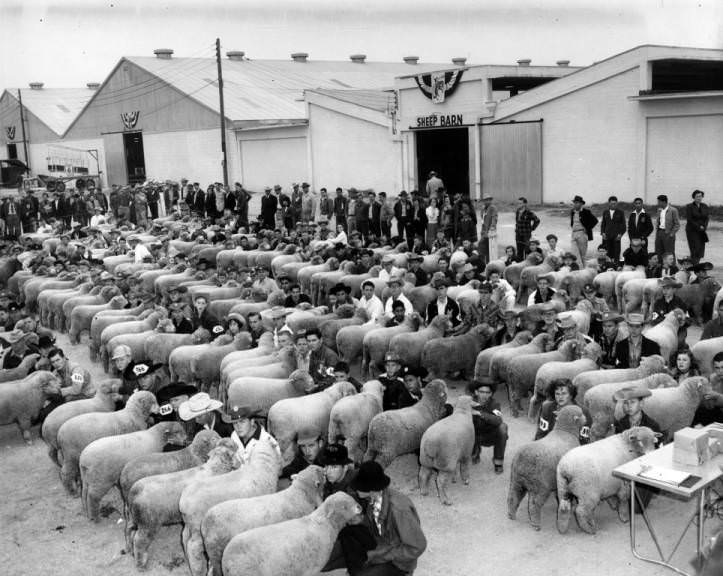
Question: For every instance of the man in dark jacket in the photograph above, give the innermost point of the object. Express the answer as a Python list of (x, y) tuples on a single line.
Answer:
[(639, 223), (341, 209), (269, 204), (489, 428), (630, 350), (636, 254), (322, 360), (443, 303), (696, 226), (310, 445), (392, 381), (29, 208), (582, 222), (612, 228), (403, 213)]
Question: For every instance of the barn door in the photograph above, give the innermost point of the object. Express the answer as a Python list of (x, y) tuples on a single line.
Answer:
[(512, 160)]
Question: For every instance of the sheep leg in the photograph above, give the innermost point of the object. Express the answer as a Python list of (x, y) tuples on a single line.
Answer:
[(24, 425), (53, 453), (585, 514), (535, 504), (564, 513), (383, 458), (69, 477), (464, 470), (623, 498), (534, 408), (424, 475), (514, 497), (141, 542), (443, 478), (195, 554)]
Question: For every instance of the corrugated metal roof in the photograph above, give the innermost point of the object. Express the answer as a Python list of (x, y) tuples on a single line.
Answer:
[(272, 89), (379, 100), (55, 107)]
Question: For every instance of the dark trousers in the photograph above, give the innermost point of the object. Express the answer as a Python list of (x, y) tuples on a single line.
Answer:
[(12, 226), (613, 248), (523, 247), (362, 226), (375, 227), (696, 245), (154, 209), (705, 416), (386, 228), (664, 243), (350, 549), (484, 250), (496, 437), (401, 227), (341, 219)]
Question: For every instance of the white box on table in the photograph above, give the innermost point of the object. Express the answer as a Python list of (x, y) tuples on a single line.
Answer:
[(690, 447)]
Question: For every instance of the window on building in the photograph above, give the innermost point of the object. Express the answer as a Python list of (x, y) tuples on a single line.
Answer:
[(686, 76)]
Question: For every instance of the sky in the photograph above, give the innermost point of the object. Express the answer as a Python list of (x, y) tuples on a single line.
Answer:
[(68, 43)]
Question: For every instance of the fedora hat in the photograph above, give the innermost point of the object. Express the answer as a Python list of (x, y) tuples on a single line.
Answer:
[(277, 312), (15, 336), (395, 280), (611, 317), (578, 199), (669, 282), (547, 307), (630, 392), (370, 478), (197, 405), (508, 314), (567, 322), (335, 455), (638, 319), (236, 413), (166, 393)]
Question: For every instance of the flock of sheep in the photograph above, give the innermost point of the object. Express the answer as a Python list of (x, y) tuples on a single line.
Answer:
[(228, 510)]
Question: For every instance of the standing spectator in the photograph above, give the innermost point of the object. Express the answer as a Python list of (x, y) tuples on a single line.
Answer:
[(612, 228), (296, 200), (326, 205), (242, 205), (432, 213), (639, 223), (362, 208), (434, 183), (153, 197), (29, 209), (375, 216), (308, 205), (124, 206), (446, 218), (386, 213), (582, 222), (341, 209), (417, 222), (525, 222), (113, 203), (140, 201), (666, 226), (80, 213), (402, 212), (488, 233), (199, 201), (269, 203), (9, 214), (695, 226)]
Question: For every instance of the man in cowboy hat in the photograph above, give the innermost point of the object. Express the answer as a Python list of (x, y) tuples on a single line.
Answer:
[(403, 214), (434, 183), (571, 331), (414, 377), (338, 468), (489, 427), (310, 443), (509, 329), (247, 432), (19, 349), (668, 300), (609, 338), (415, 267), (205, 412), (263, 285), (443, 304), (633, 400), (630, 350), (544, 291), (570, 260), (485, 311), (278, 315), (636, 254), (388, 270), (612, 228), (582, 221), (488, 231), (395, 286)]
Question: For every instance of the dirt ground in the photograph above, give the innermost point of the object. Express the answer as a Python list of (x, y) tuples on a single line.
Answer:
[(43, 530)]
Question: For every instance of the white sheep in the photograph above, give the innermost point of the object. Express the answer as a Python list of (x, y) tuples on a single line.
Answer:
[(299, 547), (287, 417), (396, 432), (501, 358), (628, 273), (224, 521), (260, 394), (350, 417), (666, 333), (22, 400), (409, 346), (445, 446), (81, 430), (600, 404), (648, 365), (534, 466), (256, 477), (484, 358), (585, 476), (704, 350)]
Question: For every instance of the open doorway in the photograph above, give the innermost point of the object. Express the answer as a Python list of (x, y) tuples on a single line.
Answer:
[(135, 160), (12, 151), (446, 151)]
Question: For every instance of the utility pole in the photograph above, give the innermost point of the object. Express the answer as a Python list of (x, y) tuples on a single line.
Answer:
[(22, 126), (223, 115)]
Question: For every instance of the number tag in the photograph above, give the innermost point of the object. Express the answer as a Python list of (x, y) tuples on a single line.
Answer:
[(140, 369), (165, 410), (585, 432), (218, 329), (544, 425), (77, 378)]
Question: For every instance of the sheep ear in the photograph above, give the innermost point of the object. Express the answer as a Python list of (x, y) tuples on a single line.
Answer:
[(293, 477), (657, 434)]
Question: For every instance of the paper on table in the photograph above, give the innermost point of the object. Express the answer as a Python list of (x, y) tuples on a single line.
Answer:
[(672, 477)]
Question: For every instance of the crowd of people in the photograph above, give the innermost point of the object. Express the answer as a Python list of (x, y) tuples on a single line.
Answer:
[(91, 226)]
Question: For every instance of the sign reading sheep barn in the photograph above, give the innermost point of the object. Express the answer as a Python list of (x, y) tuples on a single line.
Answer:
[(439, 120)]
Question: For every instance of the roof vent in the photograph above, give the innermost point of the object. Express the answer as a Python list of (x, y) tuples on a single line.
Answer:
[(163, 53), (93, 85), (235, 55), (459, 61), (36, 85), (358, 58), (563, 63), (524, 62), (411, 59), (300, 56)]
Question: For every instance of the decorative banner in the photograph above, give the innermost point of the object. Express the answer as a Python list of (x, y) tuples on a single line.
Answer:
[(10, 131), (130, 119), (438, 85)]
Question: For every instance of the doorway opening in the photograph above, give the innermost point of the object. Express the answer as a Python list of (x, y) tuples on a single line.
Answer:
[(135, 160), (12, 151), (445, 151)]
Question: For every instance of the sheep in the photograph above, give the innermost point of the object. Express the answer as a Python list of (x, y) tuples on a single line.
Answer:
[(82, 316), (21, 370), (704, 350), (648, 365), (599, 402), (673, 407), (534, 466), (75, 434), (154, 501), (605, 284), (22, 400), (350, 341), (376, 344), (206, 361), (350, 417), (530, 274), (297, 547), (666, 333), (262, 393), (224, 521), (624, 276), (107, 317), (446, 445), (330, 328), (574, 281), (445, 356), (700, 298), (514, 271), (581, 314), (484, 358), (288, 416), (501, 358), (409, 346), (396, 432), (585, 474), (633, 294), (102, 296), (146, 324), (278, 365), (101, 462), (591, 354), (522, 370), (256, 477), (104, 401)]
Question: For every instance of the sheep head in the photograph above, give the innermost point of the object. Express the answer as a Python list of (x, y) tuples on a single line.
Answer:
[(109, 387), (311, 481), (570, 419), (50, 385), (435, 392), (174, 433), (592, 351), (203, 443), (464, 405), (333, 264), (345, 311), (341, 509), (441, 322), (696, 386), (301, 381), (143, 402), (341, 389), (641, 439), (523, 337), (201, 336), (224, 457), (534, 259), (651, 365), (553, 261), (569, 348), (165, 325), (374, 388), (584, 306), (118, 301), (362, 314)]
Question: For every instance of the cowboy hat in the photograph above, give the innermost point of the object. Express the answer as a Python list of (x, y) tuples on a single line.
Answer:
[(669, 282), (237, 413), (370, 478), (630, 392), (197, 405), (335, 455)]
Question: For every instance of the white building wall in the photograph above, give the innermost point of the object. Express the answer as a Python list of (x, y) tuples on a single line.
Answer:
[(352, 152), (591, 141)]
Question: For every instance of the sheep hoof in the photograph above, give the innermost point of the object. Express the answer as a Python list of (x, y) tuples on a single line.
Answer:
[(447, 502), (536, 527), (564, 512)]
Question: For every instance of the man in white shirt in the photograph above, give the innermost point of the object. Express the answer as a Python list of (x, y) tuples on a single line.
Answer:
[(388, 270), (395, 285), (139, 250), (371, 302), (247, 433)]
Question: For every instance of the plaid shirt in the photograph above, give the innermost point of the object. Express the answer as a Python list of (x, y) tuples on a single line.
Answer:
[(525, 222)]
